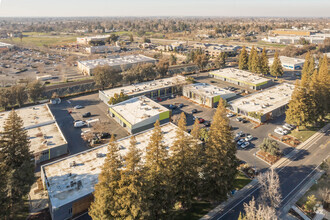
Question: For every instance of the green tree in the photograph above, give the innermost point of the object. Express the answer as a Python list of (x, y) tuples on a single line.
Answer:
[(19, 93), (264, 63), (184, 173), (162, 67), (201, 61), (243, 60), (35, 90), (220, 168), (220, 61), (5, 97), (324, 83), (270, 146), (276, 69), (251, 59), (105, 204), (309, 65), (173, 59), (131, 197), (131, 38), (113, 38), (310, 203), (195, 130), (158, 188), (16, 165), (105, 76)]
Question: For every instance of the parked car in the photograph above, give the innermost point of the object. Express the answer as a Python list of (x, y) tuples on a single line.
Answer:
[(230, 115), (248, 138), (79, 124), (194, 111), (172, 106), (240, 133), (207, 124), (245, 144), (189, 130), (280, 131), (200, 120), (78, 107), (239, 119), (87, 114), (244, 120), (288, 126), (240, 142), (180, 105), (104, 135)]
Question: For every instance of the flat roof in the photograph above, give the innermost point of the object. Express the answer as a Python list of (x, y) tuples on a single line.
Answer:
[(45, 137), (31, 116), (208, 90), (267, 100), (288, 60), (138, 109), (5, 45), (124, 60), (67, 183), (240, 76), (146, 86)]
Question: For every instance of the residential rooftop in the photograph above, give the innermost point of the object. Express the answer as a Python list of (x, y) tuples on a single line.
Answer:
[(288, 60), (267, 100), (124, 60), (240, 76), (146, 86), (45, 137), (138, 109), (74, 177), (208, 90), (31, 116)]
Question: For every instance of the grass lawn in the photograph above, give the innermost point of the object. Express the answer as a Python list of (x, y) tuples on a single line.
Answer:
[(200, 208), (40, 40), (262, 43), (303, 135)]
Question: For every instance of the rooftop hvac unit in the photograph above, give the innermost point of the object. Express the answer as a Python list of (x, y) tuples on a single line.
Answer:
[(99, 155), (73, 164)]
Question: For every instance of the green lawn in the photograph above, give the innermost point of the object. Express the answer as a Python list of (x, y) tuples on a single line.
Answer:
[(200, 208), (303, 135), (41, 40)]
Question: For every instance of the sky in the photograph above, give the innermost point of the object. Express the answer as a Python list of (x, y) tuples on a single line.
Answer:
[(253, 8)]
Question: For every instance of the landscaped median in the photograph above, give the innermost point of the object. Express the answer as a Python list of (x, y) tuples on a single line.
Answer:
[(269, 151)]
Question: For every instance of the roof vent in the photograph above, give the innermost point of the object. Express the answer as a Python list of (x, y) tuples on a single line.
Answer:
[(73, 164)]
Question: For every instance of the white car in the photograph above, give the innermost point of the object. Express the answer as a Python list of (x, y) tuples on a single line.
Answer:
[(230, 115), (79, 124), (240, 133), (280, 131), (288, 127), (245, 144), (78, 107), (249, 138)]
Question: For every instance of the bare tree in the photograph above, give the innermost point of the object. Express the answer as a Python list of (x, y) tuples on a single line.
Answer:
[(259, 212), (270, 187)]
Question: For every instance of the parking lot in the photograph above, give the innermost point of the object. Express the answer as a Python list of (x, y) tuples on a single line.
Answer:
[(98, 110)]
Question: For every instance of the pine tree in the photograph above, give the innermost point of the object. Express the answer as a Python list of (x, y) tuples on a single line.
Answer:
[(184, 173), (264, 62), (158, 189), (315, 93), (276, 68), (323, 78), (220, 168), (243, 60), (195, 130), (220, 61), (15, 164), (105, 205), (309, 65), (131, 197), (253, 60)]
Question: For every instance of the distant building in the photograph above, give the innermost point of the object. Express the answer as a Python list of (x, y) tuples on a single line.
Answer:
[(206, 94), (139, 113), (152, 89), (86, 40), (116, 63), (292, 32), (313, 39), (290, 62), (46, 138), (70, 181), (5, 46), (242, 78), (264, 105), (102, 49)]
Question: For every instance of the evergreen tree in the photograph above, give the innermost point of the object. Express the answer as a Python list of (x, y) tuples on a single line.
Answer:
[(315, 92), (131, 197), (253, 60), (16, 165), (184, 172), (220, 61), (158, 189), (276, 68), (309, 65), (105, 204), (264, 63), (195, 130), (323, 78), (243, 60), (220, 168)]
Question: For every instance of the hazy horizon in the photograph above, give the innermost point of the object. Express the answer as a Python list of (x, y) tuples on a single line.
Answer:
[(169, 8)]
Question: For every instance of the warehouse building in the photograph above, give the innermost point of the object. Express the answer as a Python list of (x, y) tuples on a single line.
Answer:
[(87, 40), (46, 139), (5, 46), (70, 181), (206, 94), (242, 78), (117, 63), (102, 49), (264, 105), (290, 62), (151, 89), (139, 113)]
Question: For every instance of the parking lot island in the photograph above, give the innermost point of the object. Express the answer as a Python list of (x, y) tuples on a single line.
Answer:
[(151, 89), (70, 181), (242, 78), (139, 113), (264, 105), (206, 94)]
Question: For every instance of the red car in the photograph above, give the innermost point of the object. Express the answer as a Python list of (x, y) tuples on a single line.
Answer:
[(201, 120), (69, 111)]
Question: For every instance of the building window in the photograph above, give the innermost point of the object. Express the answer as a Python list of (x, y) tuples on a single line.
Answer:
[(70, 210), (124, 125)]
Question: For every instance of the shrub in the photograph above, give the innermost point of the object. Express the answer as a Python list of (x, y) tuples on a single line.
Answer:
[(270, 146)]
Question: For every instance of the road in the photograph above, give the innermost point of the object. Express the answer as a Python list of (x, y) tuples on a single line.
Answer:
[(293, 173)]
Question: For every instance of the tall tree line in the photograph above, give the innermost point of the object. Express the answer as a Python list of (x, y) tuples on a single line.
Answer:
[(256, 63), (152, 186)]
